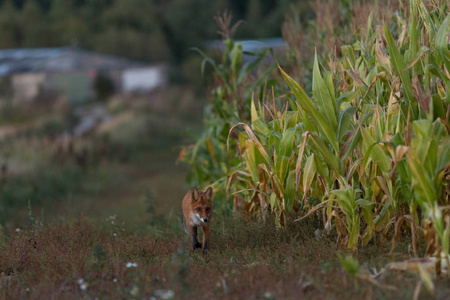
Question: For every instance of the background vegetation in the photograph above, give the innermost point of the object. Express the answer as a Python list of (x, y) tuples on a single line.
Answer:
[(346, 130), (148, 30), (369, 147)]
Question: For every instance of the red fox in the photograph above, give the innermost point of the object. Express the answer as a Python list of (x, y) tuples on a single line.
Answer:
[(197, 211)]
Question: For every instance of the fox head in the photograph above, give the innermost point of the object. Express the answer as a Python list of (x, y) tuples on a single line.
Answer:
[(202, 204)]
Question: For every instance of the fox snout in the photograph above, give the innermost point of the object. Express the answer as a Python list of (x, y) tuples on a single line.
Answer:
[(203, 220)]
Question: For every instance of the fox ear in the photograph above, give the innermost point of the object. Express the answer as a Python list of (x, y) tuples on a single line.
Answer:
[(194, 194), (209, 193)]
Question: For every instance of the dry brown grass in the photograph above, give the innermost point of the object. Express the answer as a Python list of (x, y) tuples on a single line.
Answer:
[(246, 261), (50, 260)]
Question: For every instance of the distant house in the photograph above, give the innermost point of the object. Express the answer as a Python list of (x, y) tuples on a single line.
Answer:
[(72, 72), (278, 45)]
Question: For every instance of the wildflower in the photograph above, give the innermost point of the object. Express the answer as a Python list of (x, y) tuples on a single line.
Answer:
[(17, 229), (164, 294), (112, 219), (115, 234), (134, 291), (83, 285), (114, 280), (131, 265)]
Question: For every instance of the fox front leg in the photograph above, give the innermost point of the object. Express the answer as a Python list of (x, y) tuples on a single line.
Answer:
[(205, 230), (193, 236)]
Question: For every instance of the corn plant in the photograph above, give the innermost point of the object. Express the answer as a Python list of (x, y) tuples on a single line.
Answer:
[(371, 141), (234, 85)]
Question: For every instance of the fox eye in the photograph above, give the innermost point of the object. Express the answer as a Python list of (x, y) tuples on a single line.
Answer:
[(207, 209), (199, 209)]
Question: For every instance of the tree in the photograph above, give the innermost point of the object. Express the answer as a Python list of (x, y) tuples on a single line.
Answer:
[(10, 29)]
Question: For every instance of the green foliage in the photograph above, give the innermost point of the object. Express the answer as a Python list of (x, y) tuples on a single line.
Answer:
[(47, 182), (230, 102), (371, 140), (350, 264), (103, 87)]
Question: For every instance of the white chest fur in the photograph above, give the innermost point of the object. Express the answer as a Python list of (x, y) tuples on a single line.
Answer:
[(195, 220)]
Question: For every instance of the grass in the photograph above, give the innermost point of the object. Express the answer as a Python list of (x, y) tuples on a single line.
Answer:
[(109, 203), (246, 261), (114, 170)]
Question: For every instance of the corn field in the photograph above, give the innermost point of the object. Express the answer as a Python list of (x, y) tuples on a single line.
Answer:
[(366, 148)]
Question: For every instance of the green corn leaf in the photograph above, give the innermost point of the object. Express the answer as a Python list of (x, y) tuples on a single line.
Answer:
[(277, 185), (289, 191), (284, 151), (307, 105), (293, 119), (421, 181), (328, 78), (253, 137), (422, 51), (252, 159), (382, 219), (343, 198), (354, 234), (443, 157), (282, 166), (367, 213), (325, 101), (374, 150), (236, 59), (319, 147), (308, 173), (347, 50), (383, 184), (258, 123), (286, 145), (347, 96), (412, 33), (426, 19), (345, 118), (422, 128), (435, 71), (399, 65), (354, 142), (306, 119), (301, 151), (273, 200), (441, 42), (260, 126), (446, 240), (253, 112)]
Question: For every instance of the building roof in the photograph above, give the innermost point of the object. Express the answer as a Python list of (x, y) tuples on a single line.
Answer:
[(251, 45), (56, 60)]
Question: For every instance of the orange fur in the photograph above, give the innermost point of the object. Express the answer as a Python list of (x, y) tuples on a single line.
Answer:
[(197, 212)]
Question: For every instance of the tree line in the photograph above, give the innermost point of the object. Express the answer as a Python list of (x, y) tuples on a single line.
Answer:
[(148, 30)]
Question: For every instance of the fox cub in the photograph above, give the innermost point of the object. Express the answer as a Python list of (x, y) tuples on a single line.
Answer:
[(197, 212)]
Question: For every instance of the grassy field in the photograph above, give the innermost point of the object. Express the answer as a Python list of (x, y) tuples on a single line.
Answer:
[(75, 259), (330, 184), (115, 231)]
